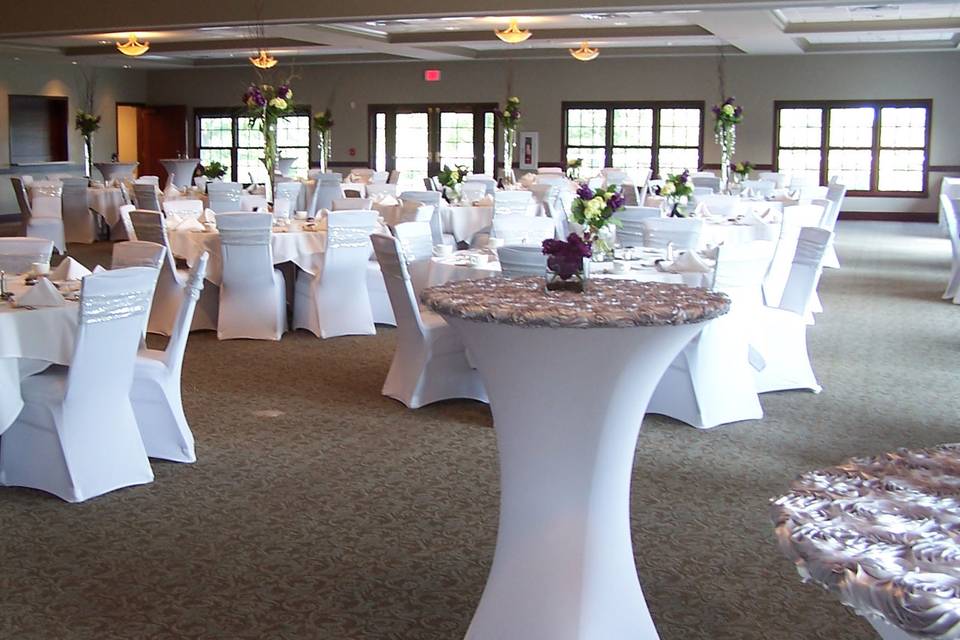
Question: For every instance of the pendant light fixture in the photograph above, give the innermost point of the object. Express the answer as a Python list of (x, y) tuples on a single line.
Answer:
[(584, 53), (133, 47), (263, 60), (513, 34)]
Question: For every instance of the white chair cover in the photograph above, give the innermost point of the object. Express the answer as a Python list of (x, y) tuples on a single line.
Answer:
[(683, 233), (378, 190), (68, 440), (532, 230), (779, 180), (147, 196), (416, 248), (489, 184), (335, 302), (518, 261), (252, 293), (631, 233), (79, 222), (352, 204), (155, 394), (512, 203), (17, 255), (49, 227), (613, 176), (949, 208), (224, 197), (707, 182), (759, 187), (328, 189), (183, 207), (436, 226), (378, 177), (430, 363), (836, 192), (471, 191), (720, 204), (126, 222), (154, 180)]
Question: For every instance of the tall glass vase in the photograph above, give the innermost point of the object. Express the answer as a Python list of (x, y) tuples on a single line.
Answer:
[(88, 155), (727, 139), (509, 144), (270, 156), (325, 144)]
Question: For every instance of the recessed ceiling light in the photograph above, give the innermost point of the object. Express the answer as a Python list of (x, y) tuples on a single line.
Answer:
[(16, 59), (669, 44), (452, 28), (103, 42), (620, 24), (376, 23), (126, 66), (73, 62)]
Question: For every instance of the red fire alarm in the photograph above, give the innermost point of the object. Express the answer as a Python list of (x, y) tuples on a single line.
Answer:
[(431, 75)]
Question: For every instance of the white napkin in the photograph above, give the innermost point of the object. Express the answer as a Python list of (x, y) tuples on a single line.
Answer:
[(173, 221), (702, 210), (190, 224), (751, 218), (208, 216), (690, 262), (69, 269), (387, 200), (171, 192), (98, 269), (42, 294)]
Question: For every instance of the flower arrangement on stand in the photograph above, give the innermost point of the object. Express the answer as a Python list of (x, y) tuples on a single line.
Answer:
[(451, 179), (509, 119), (741, 170), (265, 106), (573, 168), (566, 263), (593, 210), (676, 191), (323, 123), (728, 115), (214, 171), (87, 124)]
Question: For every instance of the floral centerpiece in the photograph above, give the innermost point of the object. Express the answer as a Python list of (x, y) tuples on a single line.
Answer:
[(87, 124), (573, 168), (214, 170), (676, 190), (323, 123), (451, 179), (509, 119), (265, 106), (728, 115), (593, 210), (741, 170), (565, 263)]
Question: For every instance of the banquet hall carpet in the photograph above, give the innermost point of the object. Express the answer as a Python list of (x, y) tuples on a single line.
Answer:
[(320, 509)]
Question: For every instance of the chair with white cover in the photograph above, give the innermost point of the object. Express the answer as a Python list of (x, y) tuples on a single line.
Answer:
[(138, 253), (68, 440), (631, 233), (41, 224), (556, 179), (378, 177), (683, 233), (720, 204), (529, 230), (430, 363), (423, 197), (689, 390), (489, 184), (146, 196), (436, 224), (416, 248), (352, 204), (329, 188), (471, 191), (287, 199), (253, 300), (517, 261), (507, 203), (781, 339), (836, 192), (17, 255), (710, 182), (155, 394), (613, 176), (759, 187), (542, 193), (557, 211), (154, 180), (701, 192), (224, 197), (949, 208), (377, 190), (79, 221), (794, 218), (335, 302), (812, 192), (394, 176), (125, 221), (949, 186), (779, 180), (354, 190), (183, 207)]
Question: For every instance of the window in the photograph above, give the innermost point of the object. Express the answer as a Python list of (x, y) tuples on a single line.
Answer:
[(874, 148), (663, 137), (228, 138)]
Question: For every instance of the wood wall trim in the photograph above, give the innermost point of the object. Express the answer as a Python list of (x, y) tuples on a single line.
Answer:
[(890, 216)]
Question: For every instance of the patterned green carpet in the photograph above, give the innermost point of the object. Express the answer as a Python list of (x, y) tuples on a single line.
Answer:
[(319, 509)]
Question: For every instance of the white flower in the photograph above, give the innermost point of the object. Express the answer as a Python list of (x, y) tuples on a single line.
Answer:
[(278, 103), (667, 189)]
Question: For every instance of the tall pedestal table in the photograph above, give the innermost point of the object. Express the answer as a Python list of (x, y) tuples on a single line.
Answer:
[(569, 377)]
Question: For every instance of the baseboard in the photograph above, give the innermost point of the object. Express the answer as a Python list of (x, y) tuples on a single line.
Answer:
[(890, 216)]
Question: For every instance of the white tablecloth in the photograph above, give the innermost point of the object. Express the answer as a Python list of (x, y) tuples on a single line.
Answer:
[(304, 248), (107, 202), (31, 340), (465, 222)]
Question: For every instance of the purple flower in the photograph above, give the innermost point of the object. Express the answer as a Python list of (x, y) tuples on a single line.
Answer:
[(685, 176), (565, 258), (729, 100), (616, 201), (716, 110), (738, 111), (283, 91), (585, 192)]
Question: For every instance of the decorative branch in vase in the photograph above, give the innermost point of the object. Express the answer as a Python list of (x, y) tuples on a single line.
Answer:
[(728, 114), (265, 105), (509, 119), (451, 179), (87, 124), (676, 191), (323, 123)]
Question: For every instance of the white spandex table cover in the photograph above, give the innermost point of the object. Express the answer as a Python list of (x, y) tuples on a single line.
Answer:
[(304, 248), (563, 568), (30, 340)]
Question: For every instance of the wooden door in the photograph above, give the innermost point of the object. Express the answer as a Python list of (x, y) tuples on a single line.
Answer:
[(161, 134)]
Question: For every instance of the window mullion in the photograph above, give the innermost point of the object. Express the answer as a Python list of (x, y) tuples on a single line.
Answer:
[(875, 151), (824, 144), (655, 144)]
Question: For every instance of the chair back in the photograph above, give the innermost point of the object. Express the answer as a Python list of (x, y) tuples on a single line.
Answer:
[(352, 204), (511, 203), (46, 199), (424, 197), (77, 217), (290, 192), (700, 192), (396, 277), (613, 176), (740, 271), (631, 233), (523, 260), (720, 204), (329, 188), (683, 233), (416, 240), (949, 208), (75, 182), (557, 211), (348, 247), (813, 192), (177, 344), (125, 211), (804, 215), (779, 180), (354, 189), (489, 184), (224, 197), (23, 201), (17, 255), (379, 177), (183, 207), (523, 230), (138, 253), (245, 249), (471, 191), (555, 179), (114, 306), (836, 192), (146, 196), (805, 272), (759, 187), (709, 182), (154, 180), (377, 189)]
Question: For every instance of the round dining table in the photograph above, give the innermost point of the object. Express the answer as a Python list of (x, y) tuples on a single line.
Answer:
[(569, 376), (30, 341)]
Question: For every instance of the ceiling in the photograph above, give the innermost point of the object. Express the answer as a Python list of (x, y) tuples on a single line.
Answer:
[(738, 27)]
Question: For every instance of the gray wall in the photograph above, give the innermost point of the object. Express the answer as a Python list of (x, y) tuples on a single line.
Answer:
[(113, 85)]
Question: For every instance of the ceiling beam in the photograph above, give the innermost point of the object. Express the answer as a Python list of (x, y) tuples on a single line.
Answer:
[(343, 38), (197, 46), (859, 26), (755, 32), (585, 33)]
